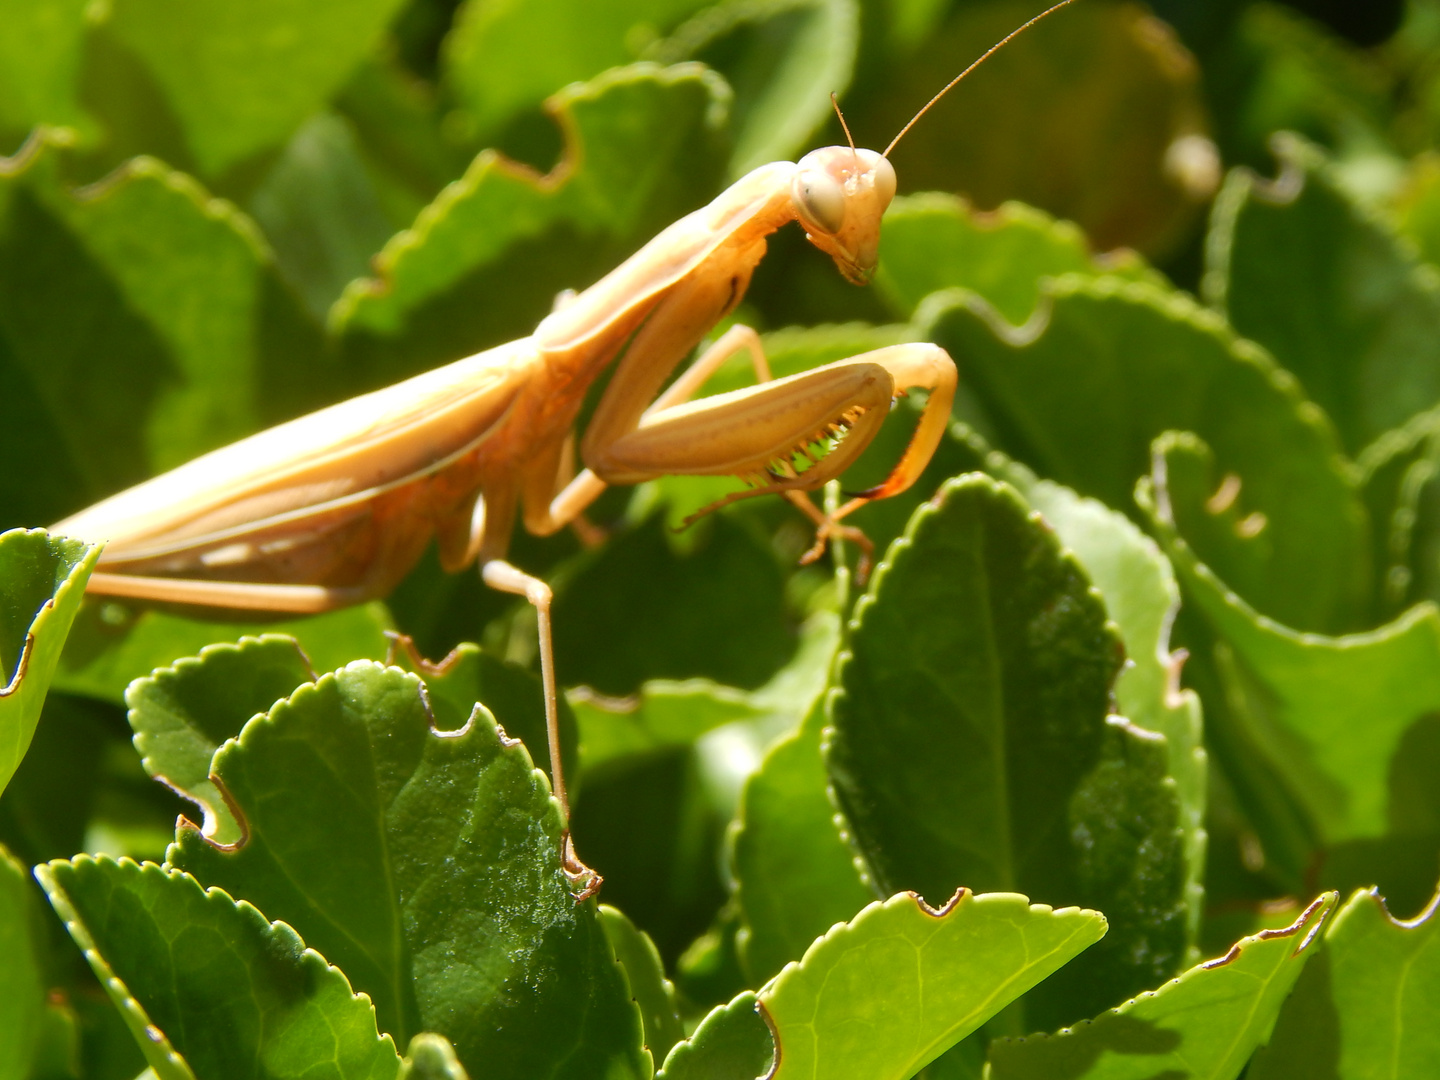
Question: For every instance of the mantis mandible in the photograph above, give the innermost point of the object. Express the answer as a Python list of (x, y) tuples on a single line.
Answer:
[(334, 508)]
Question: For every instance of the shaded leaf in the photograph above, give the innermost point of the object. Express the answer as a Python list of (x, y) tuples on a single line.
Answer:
[(484, 261), (783, 57), (112, 644), (320, 212), (635, 610), (502, 59), (174, 956), (645, 975), (934, 241), (450, 898), (733, 1042), (944, 973), (1303, 269), (971, 744), (1328, 713), (1105, 366), (663, 715), (1093, 115), (175, 289), (242, 80), (22, 986), (1204, 1025), (795, 876), (1397, 476), (42, 580), (1364, 1007)]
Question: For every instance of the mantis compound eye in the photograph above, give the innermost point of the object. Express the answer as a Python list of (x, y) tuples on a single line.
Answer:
[(820, 199)]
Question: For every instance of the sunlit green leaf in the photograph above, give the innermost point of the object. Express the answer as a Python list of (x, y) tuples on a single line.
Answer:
[(40, 57), (944, 972), (42, 580), (174, 957), (450, 897), (1363, 1007), (1203, 1025)]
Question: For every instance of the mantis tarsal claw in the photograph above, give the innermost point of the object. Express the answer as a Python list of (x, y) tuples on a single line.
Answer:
[(336, 507)]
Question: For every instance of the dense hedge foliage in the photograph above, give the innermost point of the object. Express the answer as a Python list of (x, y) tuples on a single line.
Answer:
[(1124, 761)]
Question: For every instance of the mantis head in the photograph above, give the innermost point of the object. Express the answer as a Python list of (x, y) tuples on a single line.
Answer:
[(839, 194)]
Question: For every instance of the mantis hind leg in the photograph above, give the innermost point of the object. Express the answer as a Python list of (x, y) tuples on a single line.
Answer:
[(502, 576)]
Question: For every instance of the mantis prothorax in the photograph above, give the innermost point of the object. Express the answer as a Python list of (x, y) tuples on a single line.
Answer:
[(336, 507)]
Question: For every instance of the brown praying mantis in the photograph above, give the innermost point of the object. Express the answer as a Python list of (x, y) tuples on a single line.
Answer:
[(334, 508)]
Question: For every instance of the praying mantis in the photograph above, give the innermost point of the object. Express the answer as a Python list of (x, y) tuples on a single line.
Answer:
[(334, 508)]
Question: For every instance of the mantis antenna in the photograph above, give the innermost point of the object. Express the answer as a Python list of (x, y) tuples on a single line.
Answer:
[(985, 56), (835, 102)]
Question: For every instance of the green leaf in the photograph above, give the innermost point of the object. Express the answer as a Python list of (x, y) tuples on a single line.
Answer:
[(783, 57), (22, 986), (321, 212), (112, 645), (1330, 290), (450, 907), (1141, 595), (1105, 366), (176, 958), (484, 261), (971, 741), (795, 876), (886, 993), (240, 81), (182, 714), (202, 344), (513, 696), (1329, 713), (1397, 476), (1094, 115), (645, 975), (42, 580), (635, 609), (733, 1042), (934, 241), (1204, 1025), (502, 59), (1365, 1006), (663, 715), (40, 55)]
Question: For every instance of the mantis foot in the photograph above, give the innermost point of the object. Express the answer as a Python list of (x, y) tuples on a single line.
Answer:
[(578, 874), (828, 529)]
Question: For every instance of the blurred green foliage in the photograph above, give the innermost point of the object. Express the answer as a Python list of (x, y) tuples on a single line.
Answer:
[(1165, 651)]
